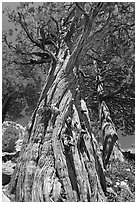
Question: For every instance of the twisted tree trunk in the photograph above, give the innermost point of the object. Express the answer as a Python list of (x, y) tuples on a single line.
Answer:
[(60, 158), (109, 133)]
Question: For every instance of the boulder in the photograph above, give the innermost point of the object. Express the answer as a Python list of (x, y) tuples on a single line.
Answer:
[(7, 171), (5, 198)]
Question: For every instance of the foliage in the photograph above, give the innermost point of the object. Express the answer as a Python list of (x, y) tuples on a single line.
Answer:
[(8, 140), (115, 58), (25, 81), (122, 171), (11, 132), (112, 49)]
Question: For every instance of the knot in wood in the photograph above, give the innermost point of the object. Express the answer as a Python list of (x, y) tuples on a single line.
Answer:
[(86, 137), (55, 111), (68, 140), (69, 120)]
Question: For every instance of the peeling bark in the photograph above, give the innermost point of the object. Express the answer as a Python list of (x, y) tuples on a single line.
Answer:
[(108, 131), (60, 158), (107, 126)]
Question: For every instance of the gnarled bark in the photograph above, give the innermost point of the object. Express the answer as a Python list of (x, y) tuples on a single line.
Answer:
[(107, 126), (59, 159)]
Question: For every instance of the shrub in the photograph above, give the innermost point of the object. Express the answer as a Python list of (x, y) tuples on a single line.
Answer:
[(11, 132)]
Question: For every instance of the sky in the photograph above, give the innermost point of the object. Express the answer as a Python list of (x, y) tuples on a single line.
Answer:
[(126, 142), (10, 5)]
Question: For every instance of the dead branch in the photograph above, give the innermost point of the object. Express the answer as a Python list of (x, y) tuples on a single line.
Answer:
[(70, 15), (23, 24), (97, 9), (7, 43), (57, 25), (83, 11), (33, 61)]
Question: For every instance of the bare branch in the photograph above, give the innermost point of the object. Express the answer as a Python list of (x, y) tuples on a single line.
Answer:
[(27, 32), (105, 71), (45, 57), (46, 54), (57, 25), (42, 33), (51, 55), (98, 34), (70, 15), (48, 41), (8, 44), (83, 74), (83, 11), (94, 58), (122, 87), (33, 62), (39, 54), (97, 9)]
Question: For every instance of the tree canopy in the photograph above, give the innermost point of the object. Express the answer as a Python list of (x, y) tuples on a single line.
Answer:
[(39, 31)]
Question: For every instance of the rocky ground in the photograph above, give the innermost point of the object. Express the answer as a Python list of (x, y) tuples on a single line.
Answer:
[(121, 181), (120, 175)]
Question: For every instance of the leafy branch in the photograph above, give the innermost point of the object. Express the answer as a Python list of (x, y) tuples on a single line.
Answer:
[(36, 42), (33, 61)]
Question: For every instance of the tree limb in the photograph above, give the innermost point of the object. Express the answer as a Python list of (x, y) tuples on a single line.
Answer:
[(8, 44), (57, 25), (33, 61), (43, 55), (94, 58), (70, 15), (114, 93), (83, 11), (97, 9), (97, 35), (27, 32), (82, 74), (33, 40)]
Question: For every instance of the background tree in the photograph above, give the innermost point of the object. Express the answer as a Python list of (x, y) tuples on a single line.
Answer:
[(60, 122), (115, 59)]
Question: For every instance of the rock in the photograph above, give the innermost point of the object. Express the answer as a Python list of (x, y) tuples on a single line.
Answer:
[(110, 190), (11, 124), (101, 147), (11, 132), (117, 183), (5, 198), (108, 181), (18, 145), (8, 167), (124, 186), (7, 171)]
